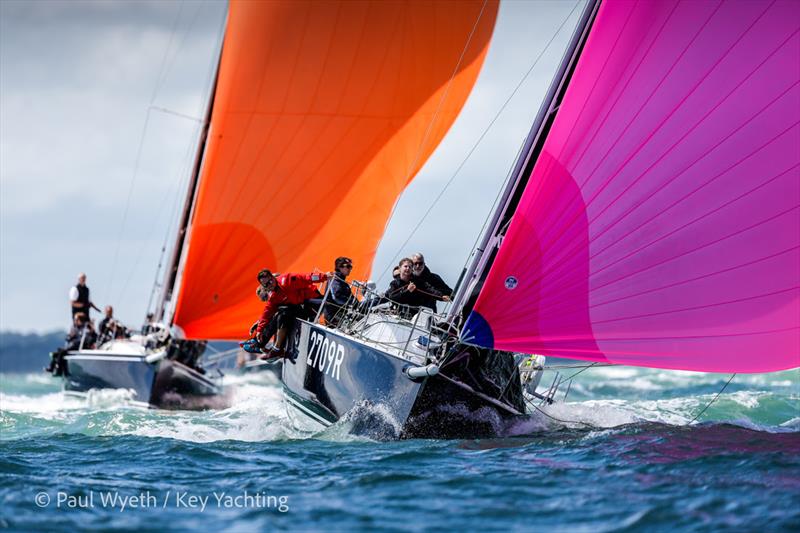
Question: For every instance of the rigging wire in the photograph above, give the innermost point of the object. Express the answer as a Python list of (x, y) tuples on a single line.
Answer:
[(441, 102), (181, 183), (172, 227), (139, 150), (157, 218), (492, 209), (477, 143), (161, 79), (128, 203), (176, 113), (714, 399), (182, 43), (570, 378), (567, 380), (172, 223), (567, 367)]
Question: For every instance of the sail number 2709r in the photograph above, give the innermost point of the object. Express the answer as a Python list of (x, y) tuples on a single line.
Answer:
[(324, 354)]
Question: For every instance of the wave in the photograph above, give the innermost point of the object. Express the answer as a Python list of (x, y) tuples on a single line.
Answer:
[(607, 398)]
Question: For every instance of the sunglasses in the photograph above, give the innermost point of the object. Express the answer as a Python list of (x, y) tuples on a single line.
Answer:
[(419, 263), (346, 266)]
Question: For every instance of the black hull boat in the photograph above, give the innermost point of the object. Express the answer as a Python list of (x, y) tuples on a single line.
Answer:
[(152, 377), (393, 378)]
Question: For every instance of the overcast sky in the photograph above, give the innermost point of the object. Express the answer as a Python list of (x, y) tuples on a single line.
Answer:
[(99, 109)]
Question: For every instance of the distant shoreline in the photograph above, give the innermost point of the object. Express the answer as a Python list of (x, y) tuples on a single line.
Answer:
[(27, 352)]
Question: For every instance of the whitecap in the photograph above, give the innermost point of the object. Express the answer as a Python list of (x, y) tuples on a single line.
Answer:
[(793, 424), (44, 404)]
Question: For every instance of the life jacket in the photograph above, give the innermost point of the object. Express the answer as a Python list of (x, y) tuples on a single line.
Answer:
[(83, 297)]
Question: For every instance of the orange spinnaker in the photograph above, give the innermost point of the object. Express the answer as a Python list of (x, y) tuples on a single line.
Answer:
[(324, 112)]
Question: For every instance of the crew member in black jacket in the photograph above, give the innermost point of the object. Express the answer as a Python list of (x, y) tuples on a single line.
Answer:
[(339, 294), (407, 292), (437, 290)]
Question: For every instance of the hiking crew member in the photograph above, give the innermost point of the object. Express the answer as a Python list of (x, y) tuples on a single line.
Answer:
[(289, 296), (80, 336)]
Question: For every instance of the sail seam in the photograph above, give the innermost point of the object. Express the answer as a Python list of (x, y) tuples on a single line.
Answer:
[(688, 224), (578, 249), (698, 307), (698, 278), (569, 224), (575, 250)]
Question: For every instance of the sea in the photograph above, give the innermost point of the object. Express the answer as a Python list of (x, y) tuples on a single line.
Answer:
[(628, 450)]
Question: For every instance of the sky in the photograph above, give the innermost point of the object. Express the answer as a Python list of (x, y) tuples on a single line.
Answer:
[(100, 108)]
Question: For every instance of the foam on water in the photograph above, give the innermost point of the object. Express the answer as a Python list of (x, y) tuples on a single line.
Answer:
[(47, 405), (759, 410), (592, 414), (256, 412), (40, 379), (793, 424), (109, 398)]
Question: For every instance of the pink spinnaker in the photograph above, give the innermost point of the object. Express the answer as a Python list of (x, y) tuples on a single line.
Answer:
[(661, 223)]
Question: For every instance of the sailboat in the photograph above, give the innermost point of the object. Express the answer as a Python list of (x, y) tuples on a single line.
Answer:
[(155, 371), (651, 219)]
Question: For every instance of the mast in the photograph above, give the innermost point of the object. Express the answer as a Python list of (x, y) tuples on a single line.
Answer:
[(472, 279), (173, 268)]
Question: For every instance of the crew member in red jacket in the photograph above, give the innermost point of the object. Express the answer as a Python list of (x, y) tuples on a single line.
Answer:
[(287, 299)]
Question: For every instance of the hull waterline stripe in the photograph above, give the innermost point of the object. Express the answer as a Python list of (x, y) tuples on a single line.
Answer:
[(308, 412), (121, 358)]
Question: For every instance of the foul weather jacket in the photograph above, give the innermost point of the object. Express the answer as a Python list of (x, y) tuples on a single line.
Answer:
[(338, 297), (436, 287), (290, 289)]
